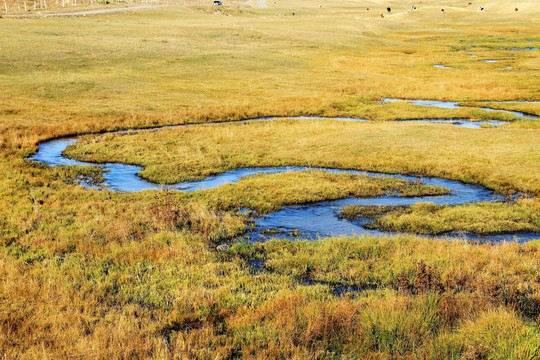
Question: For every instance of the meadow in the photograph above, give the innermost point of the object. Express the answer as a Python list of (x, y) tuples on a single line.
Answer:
[(98, 274)]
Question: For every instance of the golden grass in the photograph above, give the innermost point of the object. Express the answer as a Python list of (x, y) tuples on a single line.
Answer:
[(505, 160), (522, 216), (90, 274), (267, 193), (245, 65)]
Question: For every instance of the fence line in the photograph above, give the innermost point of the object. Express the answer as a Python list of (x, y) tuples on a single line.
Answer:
[(29, 6)]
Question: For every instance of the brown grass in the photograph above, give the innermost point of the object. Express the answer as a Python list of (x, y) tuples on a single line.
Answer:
[(88, 274)]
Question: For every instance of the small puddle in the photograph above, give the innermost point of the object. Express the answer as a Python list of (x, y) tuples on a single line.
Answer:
[(338, 289), (525, 49), (348, 290), (257, 266), (442, 66)]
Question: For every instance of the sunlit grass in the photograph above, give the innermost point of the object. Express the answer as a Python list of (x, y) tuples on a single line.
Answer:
[(93, 274), (505, 160), (75, 75), (482, 218)]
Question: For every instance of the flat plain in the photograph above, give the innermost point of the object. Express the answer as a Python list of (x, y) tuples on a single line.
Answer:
[(92, 273)]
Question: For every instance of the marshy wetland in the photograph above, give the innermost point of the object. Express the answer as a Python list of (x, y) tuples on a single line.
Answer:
[(237, 182), (322, 218)]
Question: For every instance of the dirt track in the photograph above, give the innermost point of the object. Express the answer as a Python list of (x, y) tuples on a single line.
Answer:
[(80, 13)]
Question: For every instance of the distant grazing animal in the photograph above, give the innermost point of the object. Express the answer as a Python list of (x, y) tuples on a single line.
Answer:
[(516, 9), (293, 13), (413, 7), (382, 15), (442, 11), (388, 9), (367, 9), (481, 8)]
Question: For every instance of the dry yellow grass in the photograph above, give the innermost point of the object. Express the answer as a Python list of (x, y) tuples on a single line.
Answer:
[(99, 275), (505, 160), (197, 65)]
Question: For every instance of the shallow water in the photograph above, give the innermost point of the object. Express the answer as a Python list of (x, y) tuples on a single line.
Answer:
[(322, 219), (456, 105), (460, 122), (307, 221), (438, 66), (525, 49)]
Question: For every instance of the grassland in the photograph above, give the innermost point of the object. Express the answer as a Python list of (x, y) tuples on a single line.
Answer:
[(504, 160), (122, 71), (267, 193), (429, 219), (487, 157), (94, 274)]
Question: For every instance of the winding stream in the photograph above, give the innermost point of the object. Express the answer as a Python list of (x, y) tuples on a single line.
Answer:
[(456, 105), (307, 221)]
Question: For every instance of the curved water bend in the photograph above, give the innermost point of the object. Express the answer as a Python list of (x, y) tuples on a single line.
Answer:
[(456, 105), (124, 178), (310, 221)]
